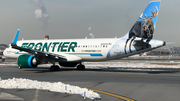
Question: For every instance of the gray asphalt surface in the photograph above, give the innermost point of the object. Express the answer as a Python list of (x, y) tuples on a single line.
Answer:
[(161, 85)]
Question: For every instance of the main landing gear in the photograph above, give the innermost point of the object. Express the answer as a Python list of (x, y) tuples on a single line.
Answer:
[(80, 67), (54, 68)]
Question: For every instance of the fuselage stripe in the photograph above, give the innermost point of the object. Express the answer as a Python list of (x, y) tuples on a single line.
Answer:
[(91, 54)]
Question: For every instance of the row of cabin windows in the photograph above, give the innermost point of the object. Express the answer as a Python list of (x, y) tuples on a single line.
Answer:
[(95, 46), (84, 46)]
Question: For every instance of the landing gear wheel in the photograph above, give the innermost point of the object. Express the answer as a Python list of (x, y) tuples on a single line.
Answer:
[(54, 68), (80, 67)]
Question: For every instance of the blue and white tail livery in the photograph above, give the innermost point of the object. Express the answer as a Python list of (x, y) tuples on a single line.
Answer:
[(141, 32), (145, 25), (72, 52)]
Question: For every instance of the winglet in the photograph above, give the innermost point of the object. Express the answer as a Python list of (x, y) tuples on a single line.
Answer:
[(16, 37)]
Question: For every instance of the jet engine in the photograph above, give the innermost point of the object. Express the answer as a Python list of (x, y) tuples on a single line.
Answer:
[(27, 61)]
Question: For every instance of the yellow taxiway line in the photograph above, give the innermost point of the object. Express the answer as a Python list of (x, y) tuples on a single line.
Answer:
[(114, 95)]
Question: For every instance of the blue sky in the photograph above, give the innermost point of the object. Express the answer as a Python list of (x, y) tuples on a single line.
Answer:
[(72, 18)]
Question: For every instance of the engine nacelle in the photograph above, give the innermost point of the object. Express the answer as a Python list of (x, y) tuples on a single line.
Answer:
[(68, 64), (27, 61)]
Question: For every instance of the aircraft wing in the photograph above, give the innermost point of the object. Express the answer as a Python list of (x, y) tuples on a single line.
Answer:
[(44, 55)]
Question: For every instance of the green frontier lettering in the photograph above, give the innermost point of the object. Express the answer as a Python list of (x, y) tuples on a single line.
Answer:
[(64, 46), (72, 46), (55, 43), (45, 47), (38, 46), (31, 45), (24, 45), (59, 46)]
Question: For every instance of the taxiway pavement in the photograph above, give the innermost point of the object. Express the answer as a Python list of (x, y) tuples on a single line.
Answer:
[(146, 85)]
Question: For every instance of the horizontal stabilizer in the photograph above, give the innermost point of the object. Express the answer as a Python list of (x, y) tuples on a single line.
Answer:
[(140, 43)]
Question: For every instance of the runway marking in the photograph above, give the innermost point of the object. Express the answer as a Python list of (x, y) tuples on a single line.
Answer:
[(36, 96), (114, 95)]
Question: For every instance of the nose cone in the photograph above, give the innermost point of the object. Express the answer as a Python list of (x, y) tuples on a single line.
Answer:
[(157, 43), (5, 52)]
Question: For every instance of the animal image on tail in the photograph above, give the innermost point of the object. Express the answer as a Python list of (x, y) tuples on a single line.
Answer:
[(144, 26)]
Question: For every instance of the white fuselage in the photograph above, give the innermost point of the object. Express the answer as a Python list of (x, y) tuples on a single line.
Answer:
[(86, 49)]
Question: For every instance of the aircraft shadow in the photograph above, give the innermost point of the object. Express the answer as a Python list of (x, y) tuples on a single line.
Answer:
[(62, 69)]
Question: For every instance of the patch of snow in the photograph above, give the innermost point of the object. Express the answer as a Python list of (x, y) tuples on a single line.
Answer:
[(99, 65), (20, 83)]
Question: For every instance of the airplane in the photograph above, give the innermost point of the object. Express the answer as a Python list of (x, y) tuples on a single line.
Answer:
[(73, 52)]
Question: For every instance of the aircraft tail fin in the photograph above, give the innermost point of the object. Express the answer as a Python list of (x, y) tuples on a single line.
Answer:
[(146, 23)]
